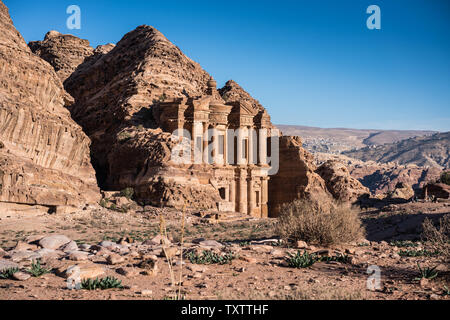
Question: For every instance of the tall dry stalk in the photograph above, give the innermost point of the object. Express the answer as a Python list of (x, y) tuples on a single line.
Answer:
[(163, 233), (183, 218)]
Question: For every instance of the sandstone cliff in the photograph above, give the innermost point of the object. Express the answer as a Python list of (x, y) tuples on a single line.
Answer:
[(44, 154)]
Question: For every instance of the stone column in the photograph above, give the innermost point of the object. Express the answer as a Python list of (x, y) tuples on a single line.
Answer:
[(233, 193), (262, 140), (251, 196), (243, 193), (250, 145), (225, 147), (240, 152), (264, 197), (197, 130), (205, 144), (215, 146)]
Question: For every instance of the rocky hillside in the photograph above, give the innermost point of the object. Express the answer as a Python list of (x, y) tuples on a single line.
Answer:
[(382, 178), (337, 140), (44, 154), (432, 151)]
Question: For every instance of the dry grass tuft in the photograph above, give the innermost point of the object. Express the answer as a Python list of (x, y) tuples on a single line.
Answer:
[(318, 224), (438, 239)]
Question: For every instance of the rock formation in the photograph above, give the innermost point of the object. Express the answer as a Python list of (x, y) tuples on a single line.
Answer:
[(296, 177), (44, 154), (130, 98), (64, 52), (381, 178), (340, 183), (402, 191)]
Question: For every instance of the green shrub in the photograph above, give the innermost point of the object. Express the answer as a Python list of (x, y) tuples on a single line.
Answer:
[(418, 253), (304, 260), (127, 193), (445, 177), (37, 270), (403, 244), (8, 273), (427, 273), (210, 257), (103, 284), (307, 221)]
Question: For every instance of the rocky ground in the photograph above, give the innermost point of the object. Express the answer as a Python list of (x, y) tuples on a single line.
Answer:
[(129, 247)]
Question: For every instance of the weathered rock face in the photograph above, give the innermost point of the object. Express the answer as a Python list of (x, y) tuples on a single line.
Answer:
[(44, 154), (63, 51), (296, 177), (340, 183), (402, 191)]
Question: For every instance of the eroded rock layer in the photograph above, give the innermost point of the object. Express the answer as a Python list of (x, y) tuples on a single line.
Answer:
[(44, 154)]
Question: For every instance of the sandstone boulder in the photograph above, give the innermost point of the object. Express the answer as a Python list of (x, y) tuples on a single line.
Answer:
[(54, 242), (402, 191), (296, 177), (340, 183)]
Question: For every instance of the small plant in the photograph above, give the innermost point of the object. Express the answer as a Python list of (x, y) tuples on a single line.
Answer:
[(343, 258), (103, 284), (127, 193), (8, 273), (162, 97), (104, 203), (427, 273), (403, 244), (446, 291), (418, 253), (304, 260), (244, 243), (37, 270), (210, 257), (123, 136), (445, 177)]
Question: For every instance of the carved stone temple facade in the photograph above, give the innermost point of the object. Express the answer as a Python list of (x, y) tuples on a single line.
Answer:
[(228, 142)]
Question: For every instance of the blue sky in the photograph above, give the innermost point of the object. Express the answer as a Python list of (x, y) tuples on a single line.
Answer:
[(308, 62)]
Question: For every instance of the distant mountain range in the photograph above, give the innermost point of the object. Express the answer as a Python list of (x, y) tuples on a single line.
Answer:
[(432, 151), (338, 140)]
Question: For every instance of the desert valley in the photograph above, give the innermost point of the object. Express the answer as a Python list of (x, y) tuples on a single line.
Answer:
[(127, 173)]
